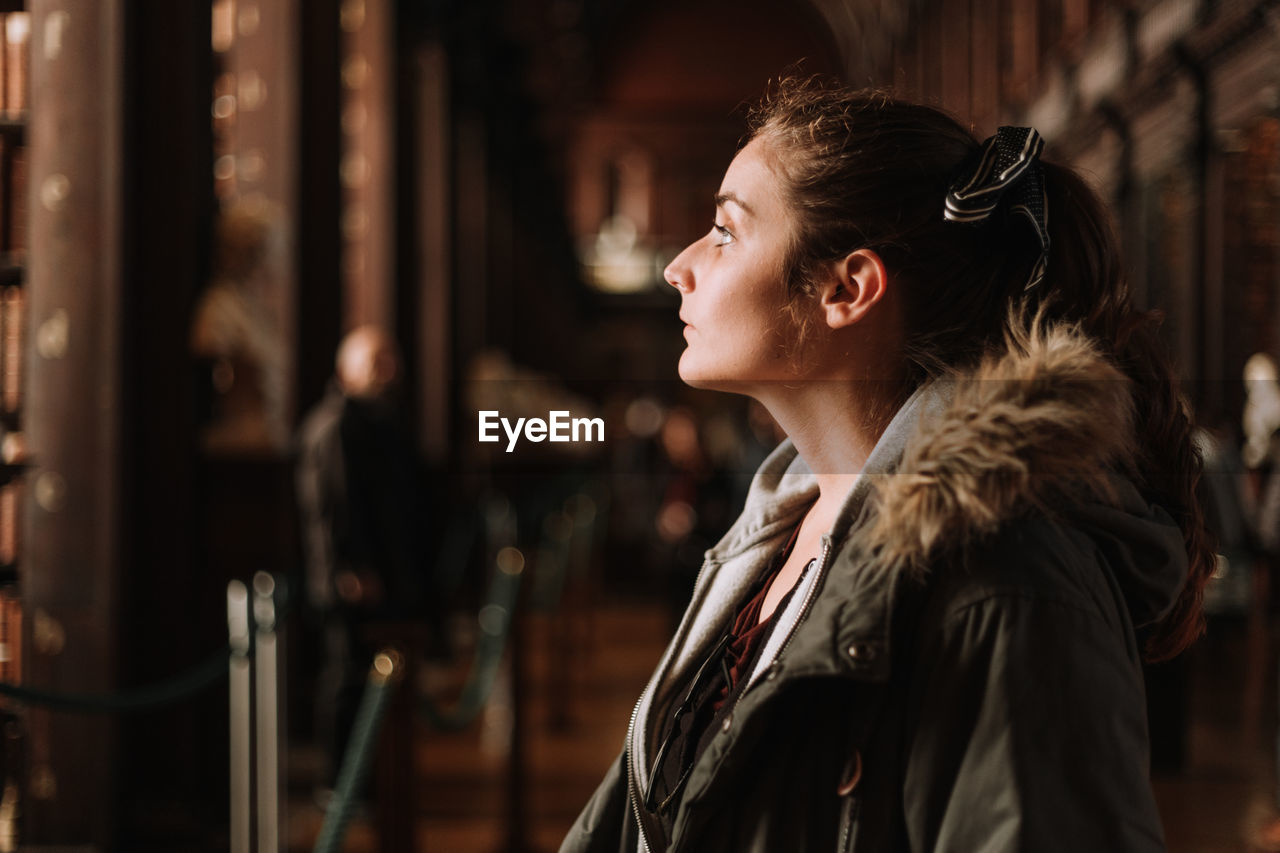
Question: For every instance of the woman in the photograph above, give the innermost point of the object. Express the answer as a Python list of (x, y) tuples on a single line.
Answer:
[(925, 630)]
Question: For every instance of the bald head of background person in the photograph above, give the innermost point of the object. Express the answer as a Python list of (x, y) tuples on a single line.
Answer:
[(368, 363)]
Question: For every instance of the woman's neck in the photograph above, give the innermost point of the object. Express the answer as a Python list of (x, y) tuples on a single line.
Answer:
[(834, 426)]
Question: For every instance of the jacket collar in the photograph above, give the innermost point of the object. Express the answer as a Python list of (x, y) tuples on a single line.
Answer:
[(1047, 421), (784, 486)]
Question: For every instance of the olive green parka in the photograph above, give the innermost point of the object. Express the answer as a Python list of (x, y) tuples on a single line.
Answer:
[(961, 673)]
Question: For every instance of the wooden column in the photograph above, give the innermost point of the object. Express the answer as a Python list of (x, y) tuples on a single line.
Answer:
[(984, 76), (73, 418), (434, 258), (164, 626), (264, 61), (954, 56), (368, 161), (318, 308)]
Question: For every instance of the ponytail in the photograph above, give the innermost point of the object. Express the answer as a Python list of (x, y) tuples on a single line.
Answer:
[(1084, 273)]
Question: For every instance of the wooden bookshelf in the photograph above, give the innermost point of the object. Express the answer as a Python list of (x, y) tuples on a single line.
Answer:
[(15, 29)]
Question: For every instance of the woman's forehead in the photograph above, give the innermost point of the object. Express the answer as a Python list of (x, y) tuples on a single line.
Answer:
[(750, 183)]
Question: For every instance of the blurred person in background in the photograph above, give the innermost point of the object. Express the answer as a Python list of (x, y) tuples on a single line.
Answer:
[(1230, 514), (235, 332), (367, 526), (1260, 453), (925, 631)]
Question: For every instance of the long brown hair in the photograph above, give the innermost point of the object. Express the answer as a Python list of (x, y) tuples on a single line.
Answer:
[(863, 169)]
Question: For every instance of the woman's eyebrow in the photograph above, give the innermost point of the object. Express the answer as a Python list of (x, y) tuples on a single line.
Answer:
[(722, 198)]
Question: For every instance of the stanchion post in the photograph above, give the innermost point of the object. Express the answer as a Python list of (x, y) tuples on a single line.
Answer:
[(395, 782), (388, 669), (511, 563), (267, 682), (555, 559), (238, 632)]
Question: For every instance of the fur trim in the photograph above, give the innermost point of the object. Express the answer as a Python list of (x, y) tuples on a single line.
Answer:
[(1047, 417)]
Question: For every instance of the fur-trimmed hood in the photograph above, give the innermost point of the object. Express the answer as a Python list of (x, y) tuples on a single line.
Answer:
[(1044, 427), (1047, 422)]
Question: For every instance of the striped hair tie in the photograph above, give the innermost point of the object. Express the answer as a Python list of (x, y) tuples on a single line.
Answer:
[(1008, 165)]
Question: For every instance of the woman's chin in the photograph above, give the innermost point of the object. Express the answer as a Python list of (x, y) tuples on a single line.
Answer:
[(691, 374), (693, 379), (709, 380)]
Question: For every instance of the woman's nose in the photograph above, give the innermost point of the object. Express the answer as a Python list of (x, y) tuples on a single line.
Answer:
[(678, 274)]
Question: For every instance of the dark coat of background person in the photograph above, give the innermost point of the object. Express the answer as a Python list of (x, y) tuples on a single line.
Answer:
[(365, 505), (369, 528)]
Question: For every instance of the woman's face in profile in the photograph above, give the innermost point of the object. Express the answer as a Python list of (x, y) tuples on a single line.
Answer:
[(733, 300)]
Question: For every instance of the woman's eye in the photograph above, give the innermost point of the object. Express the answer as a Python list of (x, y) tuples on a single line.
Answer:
[(723, 235)]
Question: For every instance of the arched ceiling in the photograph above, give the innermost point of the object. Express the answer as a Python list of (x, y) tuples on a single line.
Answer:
[(683, 56)]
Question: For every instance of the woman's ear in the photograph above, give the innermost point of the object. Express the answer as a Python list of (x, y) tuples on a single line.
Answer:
[(857, 282)]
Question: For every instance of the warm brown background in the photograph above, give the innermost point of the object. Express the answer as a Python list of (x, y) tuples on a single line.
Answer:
[(436, 167)]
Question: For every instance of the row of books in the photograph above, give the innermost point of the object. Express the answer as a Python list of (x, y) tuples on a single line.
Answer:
[(16, 27), (12, 324), (13, 198), (10, 636), (14, 95), (12, 339), (10, 504), (12, 450)]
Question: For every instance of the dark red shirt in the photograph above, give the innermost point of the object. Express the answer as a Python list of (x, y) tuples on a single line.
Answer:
[(748, 633)]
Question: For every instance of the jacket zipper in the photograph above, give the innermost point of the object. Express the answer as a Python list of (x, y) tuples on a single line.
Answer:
[(810, 594), (848, 813), (633, 788)]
